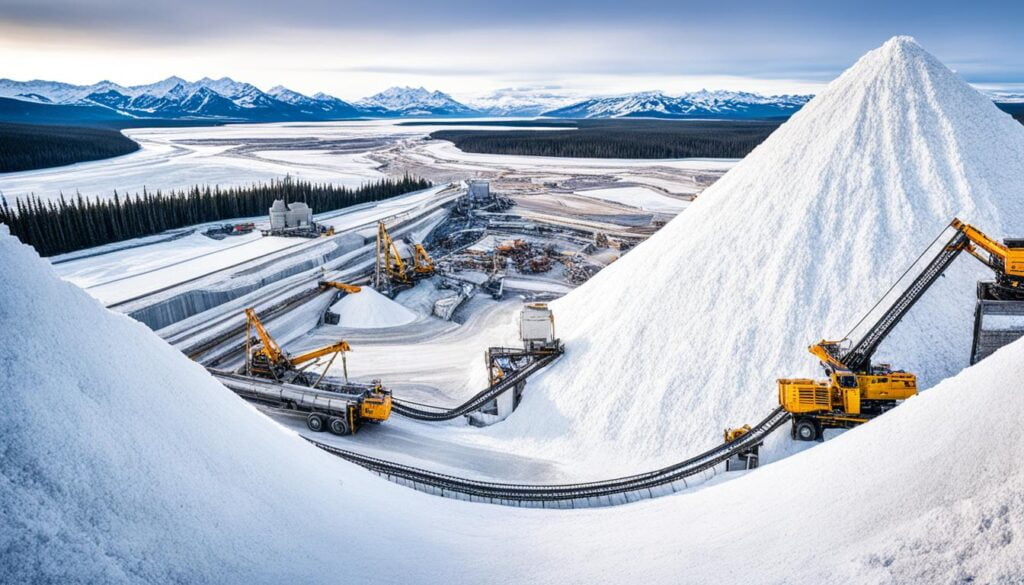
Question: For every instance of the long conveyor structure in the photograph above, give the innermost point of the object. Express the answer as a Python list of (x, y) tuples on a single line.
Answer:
[(509, 382), (609, 492)]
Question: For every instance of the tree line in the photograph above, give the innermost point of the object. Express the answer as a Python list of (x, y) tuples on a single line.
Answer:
[(65, 225), (621, 139), (26, 147)]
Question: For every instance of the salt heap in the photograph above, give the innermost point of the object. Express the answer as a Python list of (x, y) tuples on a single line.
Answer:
[(368, 309), (123, 462), (686, 334)]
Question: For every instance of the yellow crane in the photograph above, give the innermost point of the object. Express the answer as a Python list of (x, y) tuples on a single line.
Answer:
[(857, 390), (392, 269), (267, 359), (390, 266)]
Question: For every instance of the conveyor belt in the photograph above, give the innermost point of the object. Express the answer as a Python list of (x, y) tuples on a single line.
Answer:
[(859, 356), (477, 401), (598, 493)]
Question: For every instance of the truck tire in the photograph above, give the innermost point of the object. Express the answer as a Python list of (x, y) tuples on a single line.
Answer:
[(338, 426), (805, 430), (315, 422)]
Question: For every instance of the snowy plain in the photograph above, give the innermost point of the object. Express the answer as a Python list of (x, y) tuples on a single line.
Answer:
[(230, 155)]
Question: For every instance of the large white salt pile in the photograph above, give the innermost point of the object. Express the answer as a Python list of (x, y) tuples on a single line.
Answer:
[(368, 309), (686, 334), (123, 462)]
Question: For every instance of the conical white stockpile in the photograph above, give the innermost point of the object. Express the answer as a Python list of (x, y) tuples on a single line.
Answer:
[(686, 334)]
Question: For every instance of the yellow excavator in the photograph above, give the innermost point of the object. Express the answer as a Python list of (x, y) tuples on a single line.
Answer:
[(857, 390)]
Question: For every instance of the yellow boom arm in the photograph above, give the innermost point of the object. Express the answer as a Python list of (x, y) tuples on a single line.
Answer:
[(349, 288), (327, 350), (386, 247), (823, 351), (1012, 259), (269, 346)]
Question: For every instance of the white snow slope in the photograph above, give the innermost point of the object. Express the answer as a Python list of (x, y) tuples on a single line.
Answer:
[(368, 309), (123, 462), (686, 334)]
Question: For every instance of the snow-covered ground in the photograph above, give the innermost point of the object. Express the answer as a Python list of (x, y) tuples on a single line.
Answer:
[(130, 464), (639, 197), (237, 154), (158, 264)]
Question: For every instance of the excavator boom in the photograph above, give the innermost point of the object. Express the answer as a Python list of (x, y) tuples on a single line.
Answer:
[(349, 288), (826, 351), (312, 355), (269, 346), (1002, 258)]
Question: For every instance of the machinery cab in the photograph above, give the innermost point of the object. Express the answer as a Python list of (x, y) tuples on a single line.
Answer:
[(375, 406), (537, 328)]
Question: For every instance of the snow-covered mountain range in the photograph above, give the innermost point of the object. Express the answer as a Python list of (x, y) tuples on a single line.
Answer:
[(175, 98), (227, 99), (700, 104), (414, 101)]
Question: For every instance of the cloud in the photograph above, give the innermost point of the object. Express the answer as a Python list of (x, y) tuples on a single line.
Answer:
[(355, 47)]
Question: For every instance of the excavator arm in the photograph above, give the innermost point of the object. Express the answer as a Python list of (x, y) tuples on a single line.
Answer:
[(269, 346), (349, 288), (1001, 258), (387, 249), (341, 346), (828, 351)]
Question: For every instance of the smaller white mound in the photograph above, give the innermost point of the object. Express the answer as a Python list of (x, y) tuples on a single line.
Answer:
[(368, 309)]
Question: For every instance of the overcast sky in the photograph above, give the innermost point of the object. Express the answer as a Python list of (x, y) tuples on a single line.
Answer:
[(354, 48)]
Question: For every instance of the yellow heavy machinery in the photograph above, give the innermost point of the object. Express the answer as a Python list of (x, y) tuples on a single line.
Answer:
[(346, 288), (362, 402), (731, 435), (423, 263), (268, 360), (399, 263), (857, 390)]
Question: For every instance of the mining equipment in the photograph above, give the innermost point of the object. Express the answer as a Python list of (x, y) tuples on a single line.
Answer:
[(346, 288), (399, 263), (340, 407), (744, 459), (294, 219), (857, 390), (537, 329)]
